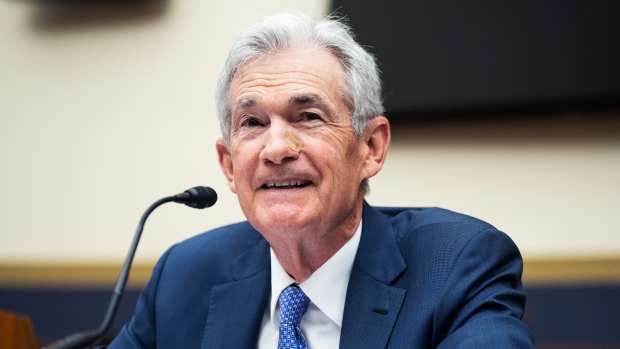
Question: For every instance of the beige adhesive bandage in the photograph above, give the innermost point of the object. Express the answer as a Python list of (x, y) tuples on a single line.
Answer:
[(293, 142)]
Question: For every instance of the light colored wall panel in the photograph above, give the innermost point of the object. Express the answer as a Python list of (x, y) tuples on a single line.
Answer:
[(554, 198), (97, 121)]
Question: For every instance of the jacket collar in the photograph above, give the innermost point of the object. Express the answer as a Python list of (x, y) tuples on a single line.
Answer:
[(236, 308), (378, 254), (372, 304)]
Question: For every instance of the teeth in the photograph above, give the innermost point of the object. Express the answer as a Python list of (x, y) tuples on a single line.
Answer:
[(285, 184)]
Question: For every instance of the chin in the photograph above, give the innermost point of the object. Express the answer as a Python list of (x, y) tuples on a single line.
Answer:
[(283, 218)]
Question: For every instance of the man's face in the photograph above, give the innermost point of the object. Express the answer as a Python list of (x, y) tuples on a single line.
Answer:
[(293, 158)]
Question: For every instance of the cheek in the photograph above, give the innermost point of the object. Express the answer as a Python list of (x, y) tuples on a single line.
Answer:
[(337, 138), (337, 151), (341, 134), (244, 163)]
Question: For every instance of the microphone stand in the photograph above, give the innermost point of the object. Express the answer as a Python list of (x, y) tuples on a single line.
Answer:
[(88, 337)]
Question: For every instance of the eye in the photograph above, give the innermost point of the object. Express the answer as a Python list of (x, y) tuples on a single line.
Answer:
[(251, 121), (310, 116)]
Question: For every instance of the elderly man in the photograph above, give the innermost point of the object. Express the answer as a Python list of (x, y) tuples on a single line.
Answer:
[(315, 266)]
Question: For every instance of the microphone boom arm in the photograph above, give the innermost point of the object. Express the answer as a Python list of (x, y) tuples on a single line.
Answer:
[(197, 197), (88, 337)]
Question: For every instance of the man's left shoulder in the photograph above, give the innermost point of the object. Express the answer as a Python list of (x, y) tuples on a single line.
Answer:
[(459, 266), (438, 229), (405, 220)]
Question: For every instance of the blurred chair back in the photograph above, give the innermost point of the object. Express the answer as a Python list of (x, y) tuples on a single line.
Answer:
[(16, 331)]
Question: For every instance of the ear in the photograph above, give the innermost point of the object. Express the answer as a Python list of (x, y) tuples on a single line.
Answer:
[(225, 160), (376, 139)]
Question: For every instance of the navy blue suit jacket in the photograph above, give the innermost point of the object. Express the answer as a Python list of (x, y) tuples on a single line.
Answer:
[(422, 278)]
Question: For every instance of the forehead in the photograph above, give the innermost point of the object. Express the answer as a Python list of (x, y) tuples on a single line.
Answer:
[(296, 70)]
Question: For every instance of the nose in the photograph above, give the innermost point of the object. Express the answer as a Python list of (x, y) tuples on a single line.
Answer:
[(282, 144)]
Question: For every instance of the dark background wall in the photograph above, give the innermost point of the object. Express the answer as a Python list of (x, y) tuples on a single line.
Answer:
[(449, 58)]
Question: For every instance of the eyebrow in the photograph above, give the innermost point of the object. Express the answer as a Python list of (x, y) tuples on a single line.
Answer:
[(310, 99), (245, 103), (302, 100)]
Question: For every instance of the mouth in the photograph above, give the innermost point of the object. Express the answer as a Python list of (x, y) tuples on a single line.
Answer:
[(282, 185)]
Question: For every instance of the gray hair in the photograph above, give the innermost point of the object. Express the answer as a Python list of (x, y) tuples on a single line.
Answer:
[(362, 85)]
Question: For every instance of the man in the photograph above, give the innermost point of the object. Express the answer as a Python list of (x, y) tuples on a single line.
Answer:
[(315, 266)]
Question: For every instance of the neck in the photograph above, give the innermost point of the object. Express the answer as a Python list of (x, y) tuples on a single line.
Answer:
[(301, 254)]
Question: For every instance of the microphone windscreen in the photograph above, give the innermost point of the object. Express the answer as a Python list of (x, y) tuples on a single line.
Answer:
[(201, 197)]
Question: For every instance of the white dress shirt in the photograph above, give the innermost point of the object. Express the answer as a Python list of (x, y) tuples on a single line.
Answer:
[(327, 290)]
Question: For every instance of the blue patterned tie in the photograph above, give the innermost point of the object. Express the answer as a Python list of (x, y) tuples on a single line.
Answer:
[(293, 304)]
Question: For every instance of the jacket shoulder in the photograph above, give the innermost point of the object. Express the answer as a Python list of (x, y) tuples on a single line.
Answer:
[(211, 252), (432, 225), (460, 266), (405, 219), (231, 237), (437, 234)]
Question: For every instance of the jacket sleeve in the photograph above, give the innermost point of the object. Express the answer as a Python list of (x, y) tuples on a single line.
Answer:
[(483, 300), (139, 332)]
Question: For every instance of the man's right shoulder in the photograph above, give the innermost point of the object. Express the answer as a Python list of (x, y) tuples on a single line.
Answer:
[(230, 237), (212, 252)]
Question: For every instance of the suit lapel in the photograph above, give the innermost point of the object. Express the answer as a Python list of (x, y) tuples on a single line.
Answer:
[(236, 308), (372, 305)]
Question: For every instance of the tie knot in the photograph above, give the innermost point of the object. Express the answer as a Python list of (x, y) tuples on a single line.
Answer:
[(293, 304)]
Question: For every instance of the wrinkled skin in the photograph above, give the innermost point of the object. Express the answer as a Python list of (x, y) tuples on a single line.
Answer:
[(291, 125)]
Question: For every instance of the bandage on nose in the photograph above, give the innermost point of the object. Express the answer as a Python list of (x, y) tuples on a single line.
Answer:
[(293, 141)]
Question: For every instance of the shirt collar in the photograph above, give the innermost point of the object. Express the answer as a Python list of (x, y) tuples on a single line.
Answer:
[(326, 287)]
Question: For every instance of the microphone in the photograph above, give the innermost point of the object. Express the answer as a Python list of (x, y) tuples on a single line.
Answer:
[(196, 197)]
